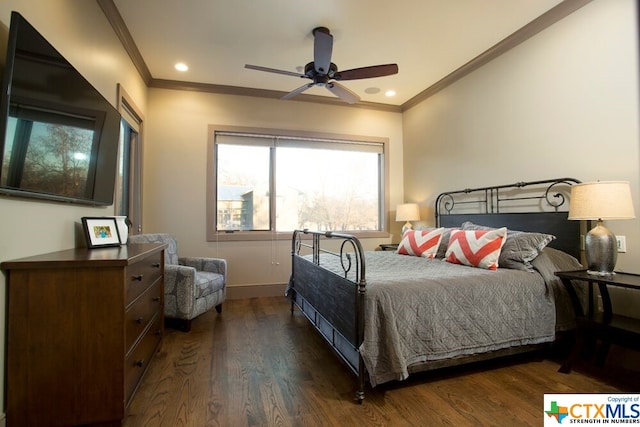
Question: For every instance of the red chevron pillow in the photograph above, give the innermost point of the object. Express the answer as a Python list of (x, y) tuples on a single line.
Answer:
[(423, 243), (477, 248)]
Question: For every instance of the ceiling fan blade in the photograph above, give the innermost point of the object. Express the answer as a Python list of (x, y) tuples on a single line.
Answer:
[(367, 72), (322, 49), (297, 91), (273, 70), (343, 93)]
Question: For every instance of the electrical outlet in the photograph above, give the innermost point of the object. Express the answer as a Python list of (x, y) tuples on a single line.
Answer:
[(622, 243)]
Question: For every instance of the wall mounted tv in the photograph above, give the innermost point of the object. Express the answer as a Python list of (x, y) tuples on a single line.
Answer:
[(59, 136)]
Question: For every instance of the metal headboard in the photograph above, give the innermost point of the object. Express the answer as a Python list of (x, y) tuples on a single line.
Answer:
[(540, 206), (493, 197)]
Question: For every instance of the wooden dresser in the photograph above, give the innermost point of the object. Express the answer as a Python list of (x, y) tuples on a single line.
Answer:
[(82, 326)]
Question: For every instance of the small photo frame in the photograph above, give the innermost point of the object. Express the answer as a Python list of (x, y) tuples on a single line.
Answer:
[(100, 232)]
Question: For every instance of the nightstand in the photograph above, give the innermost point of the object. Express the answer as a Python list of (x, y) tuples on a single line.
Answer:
[(389, 246), (610, 328)]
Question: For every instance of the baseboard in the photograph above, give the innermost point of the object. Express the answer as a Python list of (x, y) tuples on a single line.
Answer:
[(255, 291)]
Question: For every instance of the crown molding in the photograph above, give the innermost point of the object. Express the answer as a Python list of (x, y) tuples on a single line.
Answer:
[(117, 23), (265, 93)]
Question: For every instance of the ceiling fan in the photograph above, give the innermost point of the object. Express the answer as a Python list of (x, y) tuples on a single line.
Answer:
[(323, 72)]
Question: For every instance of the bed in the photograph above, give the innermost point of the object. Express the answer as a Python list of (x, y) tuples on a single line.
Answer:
[(390, 314)]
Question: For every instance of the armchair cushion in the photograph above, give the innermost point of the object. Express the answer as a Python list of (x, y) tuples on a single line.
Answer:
[(208, 283), (211, 273)]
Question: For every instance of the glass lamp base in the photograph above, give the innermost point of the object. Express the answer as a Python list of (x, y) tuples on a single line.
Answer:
[(407, 226), (601, 250)]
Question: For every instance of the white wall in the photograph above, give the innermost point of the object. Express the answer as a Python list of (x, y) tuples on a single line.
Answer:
[(563, 103), (79, 30), (175, 162)]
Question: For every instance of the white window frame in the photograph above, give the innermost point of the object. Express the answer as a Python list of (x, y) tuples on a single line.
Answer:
[(214, 235)]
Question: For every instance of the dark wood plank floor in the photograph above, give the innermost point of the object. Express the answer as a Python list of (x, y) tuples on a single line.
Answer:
[(257, 365)]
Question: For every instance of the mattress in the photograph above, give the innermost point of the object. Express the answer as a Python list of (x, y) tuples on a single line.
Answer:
[(419, 310)]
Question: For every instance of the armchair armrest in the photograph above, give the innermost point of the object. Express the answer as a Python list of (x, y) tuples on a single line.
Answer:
[(212, 265), (179, 302), (179, 273), (186, 271)]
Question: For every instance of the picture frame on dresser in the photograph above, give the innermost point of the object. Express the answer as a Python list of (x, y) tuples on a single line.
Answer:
[(100, 232)]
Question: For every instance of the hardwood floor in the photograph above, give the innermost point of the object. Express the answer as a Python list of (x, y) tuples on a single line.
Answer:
[(257, 365)]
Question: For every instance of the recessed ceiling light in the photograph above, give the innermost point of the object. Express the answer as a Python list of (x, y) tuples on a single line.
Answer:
[(181, 66), (390, 93), (372, 90)]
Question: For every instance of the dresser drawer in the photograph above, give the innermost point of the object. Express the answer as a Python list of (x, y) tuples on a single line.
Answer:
[(141, 275), (141, 312), (138, 360)]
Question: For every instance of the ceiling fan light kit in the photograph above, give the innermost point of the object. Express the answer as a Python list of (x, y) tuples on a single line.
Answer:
[(324, 73)]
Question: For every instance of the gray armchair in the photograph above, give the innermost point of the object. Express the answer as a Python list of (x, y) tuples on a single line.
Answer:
[(192, 285)]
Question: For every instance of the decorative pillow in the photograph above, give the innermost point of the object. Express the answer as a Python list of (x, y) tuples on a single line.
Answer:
[(423, 243), (446, 234), (520, 249), (477, 248)]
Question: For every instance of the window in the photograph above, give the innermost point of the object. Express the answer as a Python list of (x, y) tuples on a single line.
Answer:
[(128, 192), (281, 181)]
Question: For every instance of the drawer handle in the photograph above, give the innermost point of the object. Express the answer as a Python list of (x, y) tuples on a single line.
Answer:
[(158, 332), (140, 320), (140, 363), (138, 277), (155, 265), (155, 299)]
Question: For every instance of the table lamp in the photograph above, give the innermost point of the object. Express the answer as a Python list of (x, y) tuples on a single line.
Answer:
[(407, 212), (601, 200)]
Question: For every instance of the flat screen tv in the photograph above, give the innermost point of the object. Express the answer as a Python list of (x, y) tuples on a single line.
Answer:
[(59, 136)]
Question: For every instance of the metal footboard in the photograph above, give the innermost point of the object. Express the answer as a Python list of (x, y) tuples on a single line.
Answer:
[(333, 302)]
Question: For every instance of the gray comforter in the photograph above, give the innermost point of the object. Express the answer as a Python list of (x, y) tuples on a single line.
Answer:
[(419, 310)]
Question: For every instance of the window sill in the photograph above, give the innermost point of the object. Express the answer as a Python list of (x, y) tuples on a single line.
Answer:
[(238, 236)]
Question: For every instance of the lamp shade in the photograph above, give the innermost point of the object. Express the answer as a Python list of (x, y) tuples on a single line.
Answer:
[(407, 212), (601, 200)]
